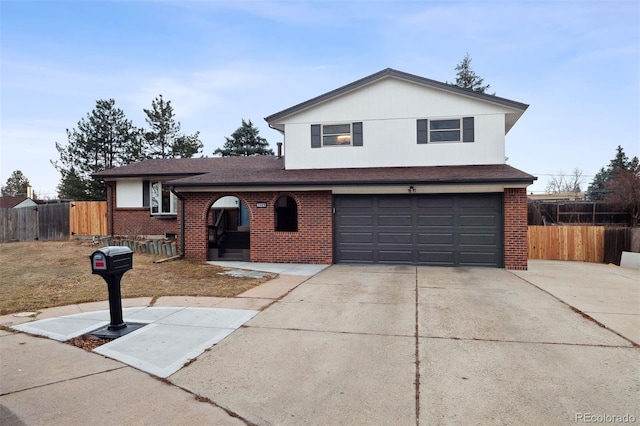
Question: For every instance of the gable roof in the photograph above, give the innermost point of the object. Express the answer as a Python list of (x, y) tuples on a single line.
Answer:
[(10, 201), (391, 73)]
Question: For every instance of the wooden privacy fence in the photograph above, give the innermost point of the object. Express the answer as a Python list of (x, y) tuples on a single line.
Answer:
[(584, 243), (50, 222), (88, 218)]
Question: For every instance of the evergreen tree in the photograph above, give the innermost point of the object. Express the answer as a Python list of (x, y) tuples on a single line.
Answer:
[(163, 137), (103, 140), (467, 78), (598, 190), (16, 184), (245, 141)]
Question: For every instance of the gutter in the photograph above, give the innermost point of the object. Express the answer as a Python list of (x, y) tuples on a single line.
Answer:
[(181, 198)]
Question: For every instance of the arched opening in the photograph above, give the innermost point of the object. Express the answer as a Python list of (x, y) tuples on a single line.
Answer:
[(286, 214), (228, 230)]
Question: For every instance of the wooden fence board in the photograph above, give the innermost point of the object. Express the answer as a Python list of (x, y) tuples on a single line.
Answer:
[(18, 224), (53, 222), (56, 221), (88, 218), (582, 243)]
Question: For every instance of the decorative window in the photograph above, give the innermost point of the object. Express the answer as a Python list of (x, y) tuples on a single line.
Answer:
[(449, 130), (345, 134), (286, 214), (163, 202)]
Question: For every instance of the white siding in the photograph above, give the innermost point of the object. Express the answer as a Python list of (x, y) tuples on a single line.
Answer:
[(388, 110), (129, 193)]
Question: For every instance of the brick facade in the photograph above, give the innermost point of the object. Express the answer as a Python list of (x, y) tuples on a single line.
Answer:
[(516, 248), (312, 243), (137, 221)]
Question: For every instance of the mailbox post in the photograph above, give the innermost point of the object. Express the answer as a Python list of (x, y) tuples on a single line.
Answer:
[(111, 263)]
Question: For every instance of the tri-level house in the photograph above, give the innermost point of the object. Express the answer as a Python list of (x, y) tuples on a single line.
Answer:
[(393, 168)]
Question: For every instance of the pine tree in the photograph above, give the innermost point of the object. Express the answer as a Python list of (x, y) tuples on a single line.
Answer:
[(103, 140), (16, 184), (467, 78), (245, 141), (163, 137)]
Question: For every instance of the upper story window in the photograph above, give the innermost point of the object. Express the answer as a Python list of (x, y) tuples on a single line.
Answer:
[(336, 134), (344, 134), (449, 130), (163, 202)]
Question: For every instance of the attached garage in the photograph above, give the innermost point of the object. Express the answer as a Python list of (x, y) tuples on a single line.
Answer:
[(438, 230)]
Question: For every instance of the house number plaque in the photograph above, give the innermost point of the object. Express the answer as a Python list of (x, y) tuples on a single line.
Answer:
[(261, 205)]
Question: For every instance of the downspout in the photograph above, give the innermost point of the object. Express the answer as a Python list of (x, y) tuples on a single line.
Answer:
[(181, 198), (111, 207)]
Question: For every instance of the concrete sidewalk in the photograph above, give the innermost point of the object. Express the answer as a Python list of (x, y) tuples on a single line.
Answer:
[(72, 386)]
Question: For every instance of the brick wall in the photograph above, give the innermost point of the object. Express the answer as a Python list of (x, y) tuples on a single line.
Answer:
[(137, 221), (516, 248), (312, 243)]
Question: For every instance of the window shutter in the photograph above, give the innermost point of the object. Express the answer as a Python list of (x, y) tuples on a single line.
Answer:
[(357, 133), (467, 129), (315, 136), (145, 193), (422, 130)]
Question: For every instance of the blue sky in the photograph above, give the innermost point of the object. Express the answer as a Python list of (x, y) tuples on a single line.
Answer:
[(576, 63)]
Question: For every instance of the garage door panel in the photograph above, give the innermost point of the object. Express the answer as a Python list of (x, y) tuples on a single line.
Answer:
[(357, 256), (435, 220), (395, 221), (358, 220), (477, 220), (478, 240), (395, 238), (437, 258), (356, 237), (357, 202), (435, 238), (476, 259), (443, 229), (434, 202), (395, 256), (394, 203)]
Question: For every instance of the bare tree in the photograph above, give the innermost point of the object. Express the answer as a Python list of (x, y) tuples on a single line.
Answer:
[(562, 183), (624, 190)]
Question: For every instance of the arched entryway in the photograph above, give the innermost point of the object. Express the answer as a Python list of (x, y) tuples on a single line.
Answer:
[(228, 230)]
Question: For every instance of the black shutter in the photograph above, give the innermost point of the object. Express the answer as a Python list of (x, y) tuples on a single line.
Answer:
[(315, 136), (422, 127), (145, 193), (357, 134), (467, 129)]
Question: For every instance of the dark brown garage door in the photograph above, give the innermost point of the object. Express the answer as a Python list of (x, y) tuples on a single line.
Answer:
[(442, 230)]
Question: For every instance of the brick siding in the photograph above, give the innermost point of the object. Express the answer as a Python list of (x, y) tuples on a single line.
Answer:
[(312, 243), (137, 221), (516, 248)]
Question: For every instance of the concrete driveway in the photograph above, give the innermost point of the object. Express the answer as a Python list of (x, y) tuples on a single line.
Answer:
[(419, 345)]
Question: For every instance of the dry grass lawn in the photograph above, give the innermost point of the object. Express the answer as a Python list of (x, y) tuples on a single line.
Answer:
[(37, 275)]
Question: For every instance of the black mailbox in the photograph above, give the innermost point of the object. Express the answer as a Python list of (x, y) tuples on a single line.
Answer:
[(111, 263), (111, 260)]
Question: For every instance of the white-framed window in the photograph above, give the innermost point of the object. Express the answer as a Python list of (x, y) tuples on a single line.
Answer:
[(445, 130), (336, 134), (162, 201)]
